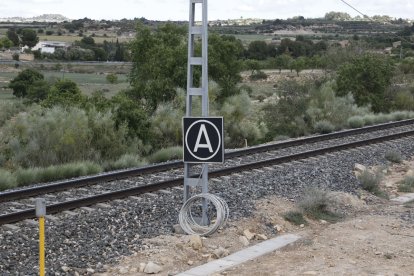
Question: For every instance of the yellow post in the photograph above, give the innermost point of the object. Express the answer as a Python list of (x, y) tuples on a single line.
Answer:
[(41, 213), (42, 246)]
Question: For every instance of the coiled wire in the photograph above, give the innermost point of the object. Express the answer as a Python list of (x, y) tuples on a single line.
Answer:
[(191, 227)]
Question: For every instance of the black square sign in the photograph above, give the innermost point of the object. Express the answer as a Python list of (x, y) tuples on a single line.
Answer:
[(203, 139)]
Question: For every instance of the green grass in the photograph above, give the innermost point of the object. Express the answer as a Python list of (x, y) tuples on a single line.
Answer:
[(166, 154), (393, 156)]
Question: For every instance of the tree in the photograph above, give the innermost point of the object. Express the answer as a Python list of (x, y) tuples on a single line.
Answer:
[(257, 50), (13, 36), (299, 64), (23, 81), (88, 41), (38, 91), (119, 52), (5, 43), (367, 78), (159, 63), (282, 62), (29, 37), (64, 93)]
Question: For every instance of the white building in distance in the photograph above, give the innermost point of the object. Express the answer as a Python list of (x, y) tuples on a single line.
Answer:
[(50, 46)]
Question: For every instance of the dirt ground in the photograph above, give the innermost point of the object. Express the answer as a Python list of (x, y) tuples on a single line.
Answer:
[(376, 238)]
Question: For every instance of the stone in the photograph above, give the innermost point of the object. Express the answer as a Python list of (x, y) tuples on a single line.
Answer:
[(123, 270), (103, 205), (322, 221), (133, 270), (65, 268), (302, 225), (190, 262), (249, 235), (152, 268), (261, 237), (244, 240), (87, 209), (359, 168), (11, 227), (90, 270), (195, 242), (142, 267), (221, 252), (178, 230), (278, 228)]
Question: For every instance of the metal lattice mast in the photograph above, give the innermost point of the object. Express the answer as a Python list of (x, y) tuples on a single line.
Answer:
[(195, 32)]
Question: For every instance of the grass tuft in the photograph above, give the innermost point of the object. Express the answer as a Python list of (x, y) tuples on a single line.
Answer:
[(7, 180), (295, 217), (125, 161), (370, 182), (406, 185), (393, 156), (356, 121), (166, 154), (315, 204)]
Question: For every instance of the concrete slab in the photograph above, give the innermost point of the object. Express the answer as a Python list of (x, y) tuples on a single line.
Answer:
[(242, 256), (404, 198)]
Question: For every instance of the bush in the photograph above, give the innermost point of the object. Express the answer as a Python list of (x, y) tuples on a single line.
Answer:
[(258, 75), (166, 154), (7, 180), (125, 161), (370, 182), (10, 109), (315, 203), (295, 217), (406, 185), (53, 173), (393, 156), (112, 78), (324, 127), (356, 121)]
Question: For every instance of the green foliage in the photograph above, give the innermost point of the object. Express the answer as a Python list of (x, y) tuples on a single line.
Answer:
[(29, 37), (356, 121), (131, 112), (258, 49), (7, 180), (324, 127), (112, 78), (324, 105), (241, 122), (52, 173), (295, 217), (5, 43), (159, 63), (367, 78), (258, 75), (13, 36), (38, 91), (65, 93), (166, 154), (315, 204), (23, 81), (46, 137), (370, 182), (406, 185), (393, 156), (287, 115), (10, 109)]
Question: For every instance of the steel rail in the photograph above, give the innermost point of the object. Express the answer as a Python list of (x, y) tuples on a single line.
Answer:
[(87, 201), (89, 180)]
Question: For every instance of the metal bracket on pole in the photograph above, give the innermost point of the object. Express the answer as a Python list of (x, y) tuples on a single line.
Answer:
[(201, 91)]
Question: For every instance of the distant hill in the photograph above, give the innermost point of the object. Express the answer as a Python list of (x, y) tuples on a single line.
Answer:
[(41, 18)]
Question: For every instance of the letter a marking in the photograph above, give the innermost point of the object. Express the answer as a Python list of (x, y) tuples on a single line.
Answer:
[(203, 131)]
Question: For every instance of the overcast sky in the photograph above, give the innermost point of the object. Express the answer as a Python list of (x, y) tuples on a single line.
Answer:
[(218, 9)]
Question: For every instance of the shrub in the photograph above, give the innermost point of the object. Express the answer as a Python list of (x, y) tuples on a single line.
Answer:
[(112, 78), (370, 182), (315, 203), (10, 109), (356, 121), (258, 75), (393, 156), (324, 127), (295, 217), (125, 161), (7, 180), (406, 185), (166, 154)]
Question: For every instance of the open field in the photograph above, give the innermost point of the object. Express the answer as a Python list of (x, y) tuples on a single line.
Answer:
[(73, 38)]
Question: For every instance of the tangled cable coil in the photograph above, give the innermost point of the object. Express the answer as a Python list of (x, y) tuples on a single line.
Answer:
[(191, 227)]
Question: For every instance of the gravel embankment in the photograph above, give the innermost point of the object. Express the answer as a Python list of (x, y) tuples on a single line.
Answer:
[(87, 241)]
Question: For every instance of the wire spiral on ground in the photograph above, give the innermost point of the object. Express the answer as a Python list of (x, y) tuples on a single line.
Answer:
[(191, 227)]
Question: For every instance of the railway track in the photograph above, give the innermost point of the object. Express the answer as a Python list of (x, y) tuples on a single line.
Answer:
[(331, 143)]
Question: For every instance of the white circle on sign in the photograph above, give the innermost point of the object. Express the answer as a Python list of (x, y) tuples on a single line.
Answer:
[(218, 145)]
